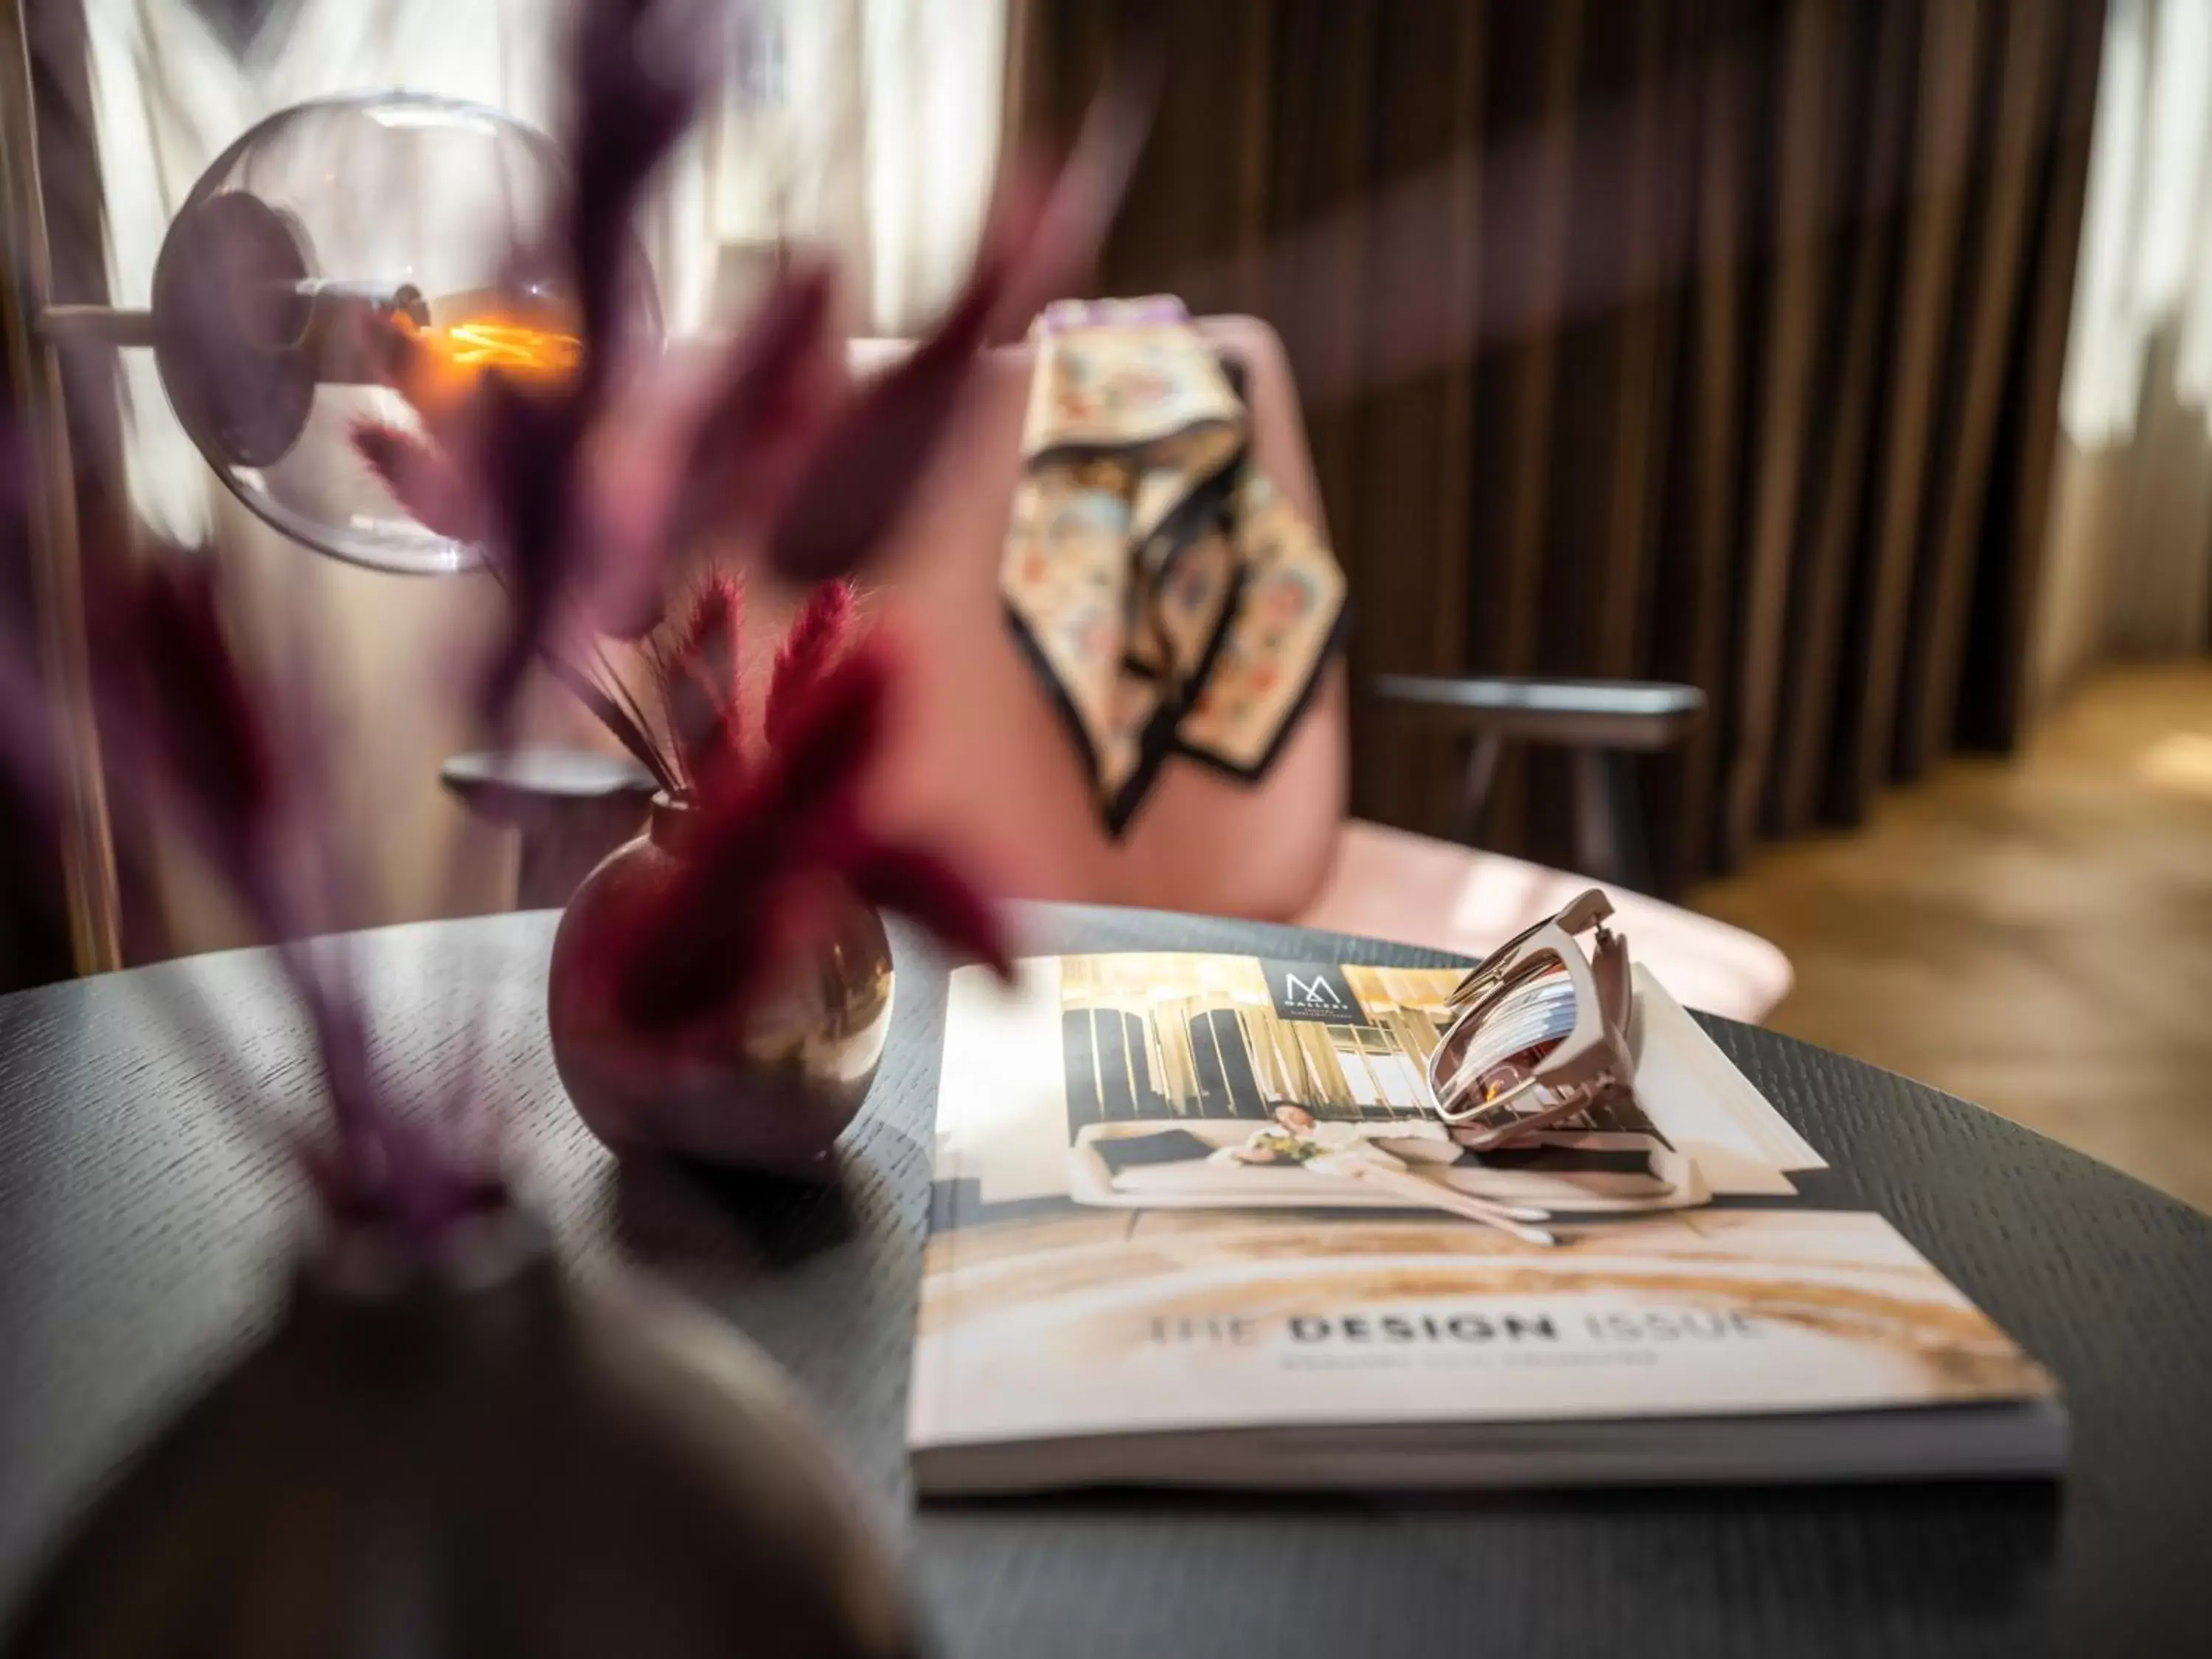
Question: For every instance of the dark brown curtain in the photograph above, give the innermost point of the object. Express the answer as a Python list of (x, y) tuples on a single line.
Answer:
[(1705, 340), (35, 922)]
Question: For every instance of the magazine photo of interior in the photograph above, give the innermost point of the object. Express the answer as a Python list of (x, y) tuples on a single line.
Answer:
[(1182, 1071)]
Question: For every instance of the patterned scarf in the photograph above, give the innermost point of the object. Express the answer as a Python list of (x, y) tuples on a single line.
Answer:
[(1170, 600)]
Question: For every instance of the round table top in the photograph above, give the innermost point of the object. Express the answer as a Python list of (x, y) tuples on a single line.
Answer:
[(141, 1244)]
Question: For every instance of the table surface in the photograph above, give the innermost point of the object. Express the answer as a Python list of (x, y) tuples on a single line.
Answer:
[(140, 1235)]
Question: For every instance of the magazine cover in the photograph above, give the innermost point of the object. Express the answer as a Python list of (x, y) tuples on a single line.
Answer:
[(1177, 1192)]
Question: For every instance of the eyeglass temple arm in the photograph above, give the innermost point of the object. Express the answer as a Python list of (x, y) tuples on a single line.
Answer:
[(1586, 909), (1616, 990)]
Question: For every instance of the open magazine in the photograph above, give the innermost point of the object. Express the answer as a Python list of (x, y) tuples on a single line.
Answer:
[(1195, 1222)]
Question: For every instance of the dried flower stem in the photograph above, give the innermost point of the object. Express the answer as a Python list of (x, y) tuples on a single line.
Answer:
[(613, 678), (610, 714)]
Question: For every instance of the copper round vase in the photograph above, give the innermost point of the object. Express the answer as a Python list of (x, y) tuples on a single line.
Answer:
[(480, 1451), (768, 1085)]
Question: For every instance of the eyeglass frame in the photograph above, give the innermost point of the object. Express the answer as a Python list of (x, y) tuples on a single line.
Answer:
[(1593, 1058)]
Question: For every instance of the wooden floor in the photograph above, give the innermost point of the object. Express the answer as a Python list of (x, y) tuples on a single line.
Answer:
[(2035, 935)]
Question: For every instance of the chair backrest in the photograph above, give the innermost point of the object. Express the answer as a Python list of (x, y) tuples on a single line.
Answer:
[(982, 761)]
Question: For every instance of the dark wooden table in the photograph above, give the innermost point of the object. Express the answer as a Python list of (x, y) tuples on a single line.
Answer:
[(140, 1237)]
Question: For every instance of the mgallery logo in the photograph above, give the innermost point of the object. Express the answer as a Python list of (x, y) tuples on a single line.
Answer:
[(1314, 991)]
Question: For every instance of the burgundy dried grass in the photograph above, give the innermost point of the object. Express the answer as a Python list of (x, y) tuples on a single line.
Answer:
[(816, 636), (759, 855), (769, 836), (638, 74), (700, 687)]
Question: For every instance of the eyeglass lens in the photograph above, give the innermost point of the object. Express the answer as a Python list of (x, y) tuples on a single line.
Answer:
[(1502, 1045)]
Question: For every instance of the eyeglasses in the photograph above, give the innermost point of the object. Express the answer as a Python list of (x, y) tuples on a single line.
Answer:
[(1541, 1032)]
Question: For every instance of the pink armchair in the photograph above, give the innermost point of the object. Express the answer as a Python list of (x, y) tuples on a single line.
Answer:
[(984, 762)]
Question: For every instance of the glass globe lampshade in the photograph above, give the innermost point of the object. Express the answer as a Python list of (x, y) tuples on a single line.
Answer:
[(305, 251)]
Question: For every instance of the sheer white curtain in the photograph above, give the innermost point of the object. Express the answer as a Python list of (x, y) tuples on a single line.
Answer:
[(2128, 571), (2144, 290), (871, 127)]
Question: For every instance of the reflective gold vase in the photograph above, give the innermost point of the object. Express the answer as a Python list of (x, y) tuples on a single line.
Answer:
[(769, 1083)]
